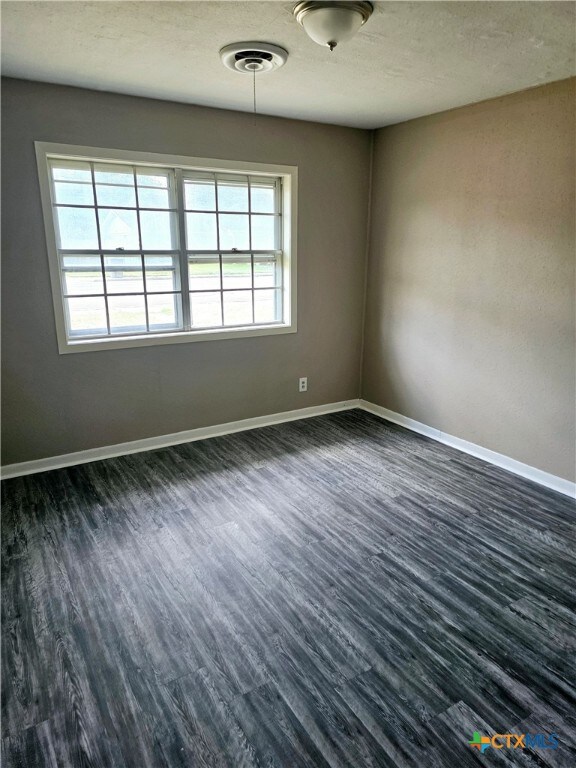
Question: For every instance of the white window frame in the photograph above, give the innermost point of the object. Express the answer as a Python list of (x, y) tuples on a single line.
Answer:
[(289, 189)]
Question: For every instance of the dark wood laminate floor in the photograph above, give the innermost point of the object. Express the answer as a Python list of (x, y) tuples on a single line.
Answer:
[(329, 592)]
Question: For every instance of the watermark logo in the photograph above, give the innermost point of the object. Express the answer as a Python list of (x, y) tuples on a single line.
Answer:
[(480, 742), (514, 741)]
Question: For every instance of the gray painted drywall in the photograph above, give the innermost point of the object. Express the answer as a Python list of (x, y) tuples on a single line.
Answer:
[(469, 309), (55, 404), (470, 303)]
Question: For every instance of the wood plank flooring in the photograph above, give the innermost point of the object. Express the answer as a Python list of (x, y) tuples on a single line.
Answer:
[(329, 592)]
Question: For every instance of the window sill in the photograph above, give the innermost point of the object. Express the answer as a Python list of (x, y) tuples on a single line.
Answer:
[(179, 337)]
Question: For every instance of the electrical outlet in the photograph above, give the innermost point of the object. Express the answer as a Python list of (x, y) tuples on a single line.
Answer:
[(303, 384)]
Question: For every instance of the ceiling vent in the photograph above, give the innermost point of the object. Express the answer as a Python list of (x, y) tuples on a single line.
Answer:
[(251, 57)]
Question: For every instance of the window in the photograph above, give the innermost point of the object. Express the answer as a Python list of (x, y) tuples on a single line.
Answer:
[(149, 249)]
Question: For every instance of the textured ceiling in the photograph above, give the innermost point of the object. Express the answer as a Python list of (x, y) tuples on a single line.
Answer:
[(411, 58)]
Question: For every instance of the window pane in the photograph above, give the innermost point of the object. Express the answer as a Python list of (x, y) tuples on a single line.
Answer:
[(127, 314), (204, 275), (73, 194), (237, 274), (201, 231), (157, 230), (69, 261), (153, 198), (82, 275), (122, 196), (87, 316), (70, 170), (123, 274), (162, 312), (206, 310), (262, 197), (234, 232), (238, 308), (264, 274), (200, 195), (267, 306), (233, 196), (152, 177), (162, 274), (113, 174), (77, 228), (263, 234), (118, 229)]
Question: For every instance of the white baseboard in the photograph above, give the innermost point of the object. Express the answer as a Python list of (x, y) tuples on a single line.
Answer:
[(164, 441), (498, 459)]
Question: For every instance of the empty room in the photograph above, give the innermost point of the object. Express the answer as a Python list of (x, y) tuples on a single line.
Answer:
[(288, 384)]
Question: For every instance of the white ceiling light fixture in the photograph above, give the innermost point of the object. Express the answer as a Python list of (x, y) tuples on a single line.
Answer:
[(331, 23)]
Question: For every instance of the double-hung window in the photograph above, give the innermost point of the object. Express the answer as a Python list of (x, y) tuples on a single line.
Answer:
[(150, 249)]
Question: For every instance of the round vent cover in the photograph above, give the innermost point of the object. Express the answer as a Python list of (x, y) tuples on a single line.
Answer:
[(251, 57)]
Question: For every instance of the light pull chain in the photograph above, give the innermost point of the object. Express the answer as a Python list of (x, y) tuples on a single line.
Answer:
[(254, 89)]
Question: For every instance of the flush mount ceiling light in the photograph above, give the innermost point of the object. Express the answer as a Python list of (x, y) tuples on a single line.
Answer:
[(330, 23), (250, 58)]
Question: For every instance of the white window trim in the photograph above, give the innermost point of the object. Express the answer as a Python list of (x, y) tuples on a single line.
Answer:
[(289, 175)]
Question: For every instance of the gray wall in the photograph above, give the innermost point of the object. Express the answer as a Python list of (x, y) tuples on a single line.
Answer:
[(470, 302), (54, 404)]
